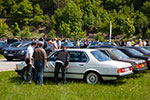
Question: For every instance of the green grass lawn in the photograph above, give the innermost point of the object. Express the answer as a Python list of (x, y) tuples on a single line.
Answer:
[(135, 87), (1, 56)]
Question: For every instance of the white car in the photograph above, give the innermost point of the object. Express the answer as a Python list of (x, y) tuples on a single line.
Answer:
[(89, 64)]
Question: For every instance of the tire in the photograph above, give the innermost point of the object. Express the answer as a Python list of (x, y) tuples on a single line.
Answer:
[(24, 73), (92, 78)]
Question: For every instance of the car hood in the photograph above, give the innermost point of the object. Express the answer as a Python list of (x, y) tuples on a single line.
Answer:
[(15, 49)]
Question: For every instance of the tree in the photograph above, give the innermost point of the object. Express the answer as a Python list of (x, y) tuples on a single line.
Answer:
[(37, 10), (64, 29), (51, 34), (22, 12), (141, 23), (70, 15), (26, 33), (15, 29), (3, 28)]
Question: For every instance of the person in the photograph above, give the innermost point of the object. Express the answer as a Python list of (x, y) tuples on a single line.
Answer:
[(78, 44), (44, 40), (28, 61), (122, 43), (62, 62), (129, 43), (144, 43), (85, 44), (132, 43), (40, 59), (59, 44), (54, 46), (140, 43)]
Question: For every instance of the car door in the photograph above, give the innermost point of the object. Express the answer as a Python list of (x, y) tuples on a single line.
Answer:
[(77, 62)]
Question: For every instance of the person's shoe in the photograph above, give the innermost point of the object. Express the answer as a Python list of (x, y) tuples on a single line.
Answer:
[(65, 82), (29, 82)]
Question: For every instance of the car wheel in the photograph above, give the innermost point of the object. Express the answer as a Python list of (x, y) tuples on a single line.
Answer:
[(92, 78), (24, 74)]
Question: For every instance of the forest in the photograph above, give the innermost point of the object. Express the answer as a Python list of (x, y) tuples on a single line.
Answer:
[(75, 19)]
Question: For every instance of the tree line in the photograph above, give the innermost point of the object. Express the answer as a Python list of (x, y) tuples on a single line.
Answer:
[(76, 18)]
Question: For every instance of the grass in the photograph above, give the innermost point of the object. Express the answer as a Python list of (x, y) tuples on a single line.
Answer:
[(1, 56), (135, 87)]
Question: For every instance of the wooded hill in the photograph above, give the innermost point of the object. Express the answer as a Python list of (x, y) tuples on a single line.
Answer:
[(75, 18)]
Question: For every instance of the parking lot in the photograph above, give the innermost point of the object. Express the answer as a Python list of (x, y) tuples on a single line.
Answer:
[(7, 65)]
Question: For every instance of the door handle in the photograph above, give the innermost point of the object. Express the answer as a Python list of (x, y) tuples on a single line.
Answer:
[(81, 64)]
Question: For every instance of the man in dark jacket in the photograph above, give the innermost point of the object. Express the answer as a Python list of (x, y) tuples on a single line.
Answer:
[(62, 63)]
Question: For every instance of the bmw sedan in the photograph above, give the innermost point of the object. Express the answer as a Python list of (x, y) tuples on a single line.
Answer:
[(115, 54), (89, 64), (133, 53)]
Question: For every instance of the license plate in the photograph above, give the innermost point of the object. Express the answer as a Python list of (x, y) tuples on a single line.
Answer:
[(127, 69), (10, 55)]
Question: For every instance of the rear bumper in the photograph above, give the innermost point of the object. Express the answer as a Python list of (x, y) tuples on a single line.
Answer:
[(140, 69), (115, 77)]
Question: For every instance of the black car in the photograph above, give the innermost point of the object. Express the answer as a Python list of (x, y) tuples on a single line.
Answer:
[(2, 45), (133, 53), (67, 44), (94, 44), (142, 50), (18, 50)]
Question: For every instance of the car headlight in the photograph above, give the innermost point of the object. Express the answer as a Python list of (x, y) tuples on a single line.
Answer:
[(5, 52), (22, 52)]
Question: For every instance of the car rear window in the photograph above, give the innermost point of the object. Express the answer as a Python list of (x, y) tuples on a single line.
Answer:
[(135, 52), (119, 54), (100, 56)]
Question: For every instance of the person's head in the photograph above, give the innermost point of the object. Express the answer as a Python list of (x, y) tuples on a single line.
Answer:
[(41, 44), (140, 40), (44, 36), (64, 48), (33, 44), (55, 39)]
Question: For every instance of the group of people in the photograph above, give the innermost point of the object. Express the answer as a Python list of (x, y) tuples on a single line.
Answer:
[(132, 43), (38, 54)]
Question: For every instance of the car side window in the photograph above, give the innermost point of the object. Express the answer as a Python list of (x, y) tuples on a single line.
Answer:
[(52, 57), (77, 56), (105, 52)]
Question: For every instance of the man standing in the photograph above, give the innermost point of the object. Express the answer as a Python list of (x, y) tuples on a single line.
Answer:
[(55, 46), (28, 61), (40, 60), (62, 62)]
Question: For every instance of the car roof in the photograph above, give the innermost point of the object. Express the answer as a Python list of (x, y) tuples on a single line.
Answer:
[(80, 49)]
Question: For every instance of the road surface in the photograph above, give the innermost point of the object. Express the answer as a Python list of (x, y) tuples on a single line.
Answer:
[(8, 65)]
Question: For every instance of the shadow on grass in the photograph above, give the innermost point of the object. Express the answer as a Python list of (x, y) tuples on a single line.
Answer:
[(17, 80)]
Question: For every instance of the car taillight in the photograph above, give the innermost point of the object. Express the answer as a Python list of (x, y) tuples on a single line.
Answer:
[(121, 70), (148, 61), (138, 66), (130, 68)]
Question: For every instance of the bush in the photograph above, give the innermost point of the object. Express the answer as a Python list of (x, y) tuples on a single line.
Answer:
[(99, 37)]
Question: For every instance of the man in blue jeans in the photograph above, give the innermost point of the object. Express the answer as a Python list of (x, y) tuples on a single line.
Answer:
[(40, 60)]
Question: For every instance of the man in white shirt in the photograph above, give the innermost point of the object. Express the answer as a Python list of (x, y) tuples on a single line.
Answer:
[(55, 46), (28, 61), (129, 43)]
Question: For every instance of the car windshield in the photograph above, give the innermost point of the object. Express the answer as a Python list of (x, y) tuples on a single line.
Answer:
[(119, 54), (100, 56), (15, 44), (67, 44), (145, 50), (135, 52)]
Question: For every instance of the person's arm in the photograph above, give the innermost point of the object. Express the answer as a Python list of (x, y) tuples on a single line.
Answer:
[(45, 58), (30, 60)]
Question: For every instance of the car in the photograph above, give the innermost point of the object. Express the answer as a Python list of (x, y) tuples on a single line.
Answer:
[(115, 54), (147, 47), (142, 50), (18, 50), (67, 44), (2, 45), (94, 44), (133, 53), (89, 64)]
